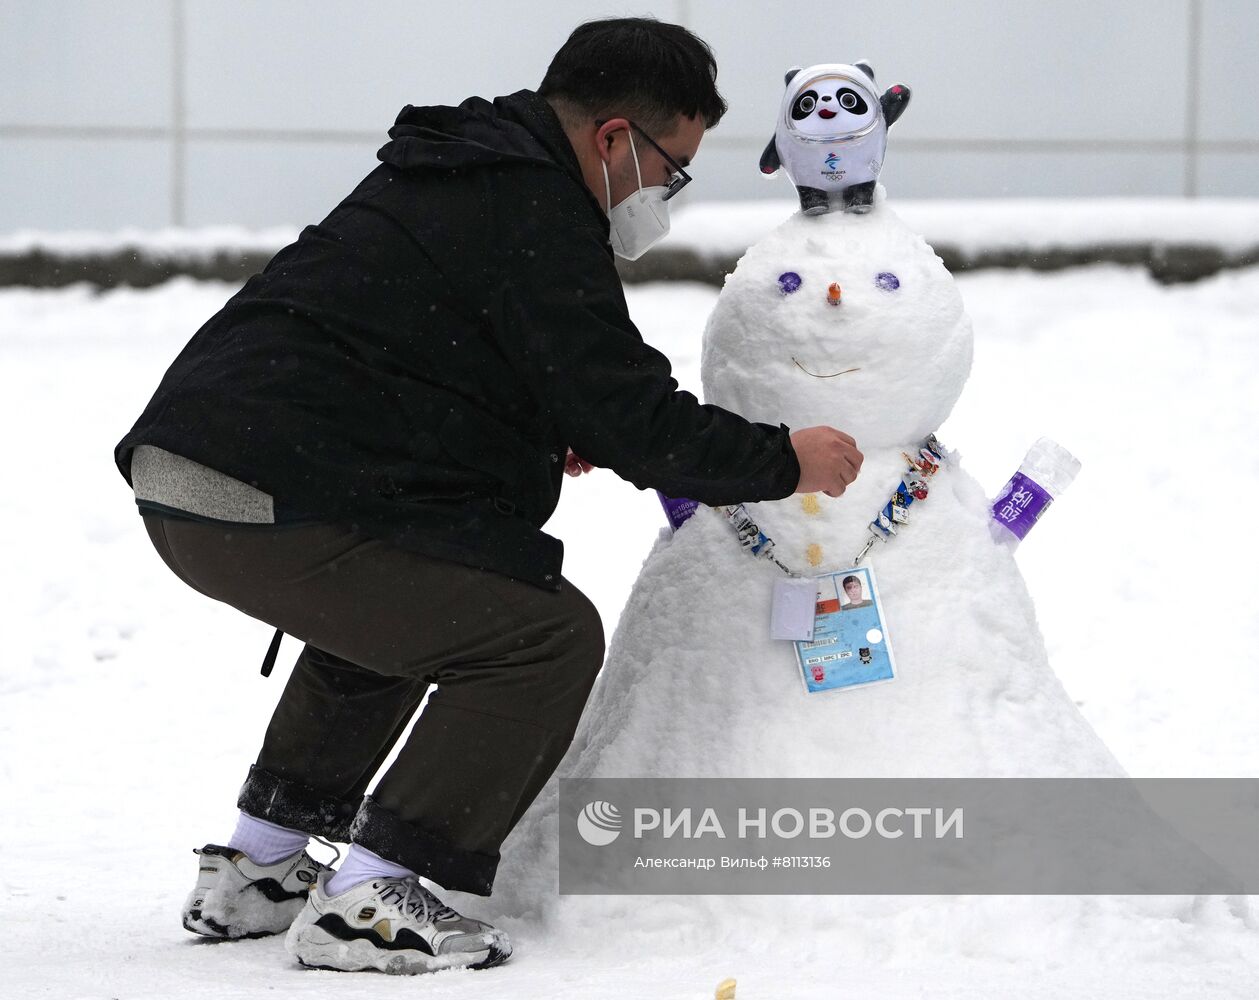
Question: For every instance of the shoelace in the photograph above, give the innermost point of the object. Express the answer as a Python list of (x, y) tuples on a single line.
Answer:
[(336, 851), (412, 897)]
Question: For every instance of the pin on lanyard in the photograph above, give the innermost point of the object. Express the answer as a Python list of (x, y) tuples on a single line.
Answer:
[(913, 486), (751, 537)]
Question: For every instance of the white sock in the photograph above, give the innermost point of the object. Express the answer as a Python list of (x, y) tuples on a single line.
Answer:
[(266, 843), (361, 865)]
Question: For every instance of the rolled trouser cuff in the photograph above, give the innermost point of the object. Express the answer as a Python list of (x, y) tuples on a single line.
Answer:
[(297, 806), (394, 839)]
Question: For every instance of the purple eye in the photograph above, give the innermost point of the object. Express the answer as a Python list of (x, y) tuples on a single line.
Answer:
[(788, 281), (885, 280)]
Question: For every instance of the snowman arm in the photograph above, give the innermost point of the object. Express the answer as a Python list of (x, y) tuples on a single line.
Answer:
[(769, 158), (611, 397), (894, 101)]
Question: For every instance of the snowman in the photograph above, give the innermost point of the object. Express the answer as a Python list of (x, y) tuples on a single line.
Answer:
[(849, 320), (694, 686)]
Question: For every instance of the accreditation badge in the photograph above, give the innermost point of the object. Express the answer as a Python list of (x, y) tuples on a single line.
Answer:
[(850, 646)]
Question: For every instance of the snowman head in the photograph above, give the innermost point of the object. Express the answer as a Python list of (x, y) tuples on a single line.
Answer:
[(885, 360), (829, 103)]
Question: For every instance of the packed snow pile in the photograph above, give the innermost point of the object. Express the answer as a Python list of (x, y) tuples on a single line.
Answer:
[(973, 225), (175, 243), (1177, 239)]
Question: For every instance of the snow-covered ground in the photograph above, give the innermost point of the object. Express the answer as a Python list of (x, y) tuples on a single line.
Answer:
[(132, 706)]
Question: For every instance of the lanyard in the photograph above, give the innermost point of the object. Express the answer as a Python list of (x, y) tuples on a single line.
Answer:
[(913, 486)]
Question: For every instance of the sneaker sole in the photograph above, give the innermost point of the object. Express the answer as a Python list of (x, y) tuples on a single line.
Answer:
[(233, 920), (320, 950), (208, 927)]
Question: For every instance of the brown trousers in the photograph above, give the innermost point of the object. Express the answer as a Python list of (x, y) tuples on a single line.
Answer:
[(512, 665)]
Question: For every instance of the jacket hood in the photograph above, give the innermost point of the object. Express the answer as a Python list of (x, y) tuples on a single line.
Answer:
[(520, 127)]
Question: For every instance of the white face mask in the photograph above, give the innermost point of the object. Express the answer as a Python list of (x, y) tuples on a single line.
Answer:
[(641, 220)]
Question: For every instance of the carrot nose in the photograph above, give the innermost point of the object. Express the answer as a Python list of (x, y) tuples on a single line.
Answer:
[(834, 294)]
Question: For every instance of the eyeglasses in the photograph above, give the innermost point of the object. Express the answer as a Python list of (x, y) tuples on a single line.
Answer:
[(678, 179)]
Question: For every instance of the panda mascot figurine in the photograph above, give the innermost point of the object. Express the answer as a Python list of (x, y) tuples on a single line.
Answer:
[(832, 133)]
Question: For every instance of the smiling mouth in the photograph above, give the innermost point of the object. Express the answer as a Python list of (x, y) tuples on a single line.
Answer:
[(824, 113), (815, 375)]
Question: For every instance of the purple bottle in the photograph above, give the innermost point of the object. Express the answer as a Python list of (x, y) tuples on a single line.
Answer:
[(677, 510), (1047, 470)]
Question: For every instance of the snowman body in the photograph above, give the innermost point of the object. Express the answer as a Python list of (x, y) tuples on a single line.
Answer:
[(694, 686)]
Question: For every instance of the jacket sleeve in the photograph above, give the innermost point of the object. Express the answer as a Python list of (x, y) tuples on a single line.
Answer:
[(613, 398)]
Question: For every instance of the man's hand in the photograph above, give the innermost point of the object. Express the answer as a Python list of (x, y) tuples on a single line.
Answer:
[(829, 460), (575, 466)]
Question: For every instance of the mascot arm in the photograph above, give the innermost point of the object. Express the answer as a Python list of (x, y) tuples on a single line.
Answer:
[(769, 158), (894, 101)]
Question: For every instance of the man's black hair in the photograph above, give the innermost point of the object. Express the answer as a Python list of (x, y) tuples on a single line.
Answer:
[(637, 68), (848, 578)]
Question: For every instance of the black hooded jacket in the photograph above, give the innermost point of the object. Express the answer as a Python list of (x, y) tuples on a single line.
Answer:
[(420, 361)]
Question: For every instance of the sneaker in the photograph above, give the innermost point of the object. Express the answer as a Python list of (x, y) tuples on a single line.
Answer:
[(393, 925), (236, 898)]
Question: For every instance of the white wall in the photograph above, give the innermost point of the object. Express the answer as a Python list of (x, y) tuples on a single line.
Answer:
[(194, 112)]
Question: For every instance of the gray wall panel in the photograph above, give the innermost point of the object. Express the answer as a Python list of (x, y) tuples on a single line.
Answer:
[(272, 183), (1001, 173), (84, 183), (334, 65), (198, 109), (85, 62), (920, 170), (980, 69), (1228, 175), (1230, 71)]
